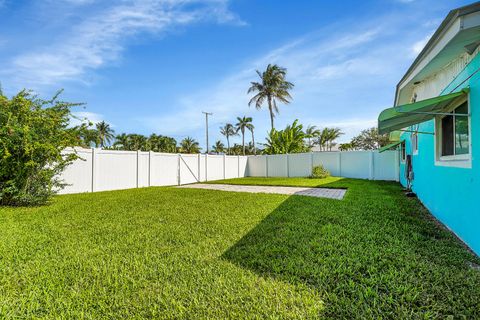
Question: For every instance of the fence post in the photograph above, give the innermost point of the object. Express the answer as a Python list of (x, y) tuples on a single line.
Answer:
[(266, 165), (238, 166), (288, 166), (206, 166), (93, 169), (340, 163), (150, 168), (311, 162), (224, 166), (372, 164), (199, 165), (178, 169), (138, 161)]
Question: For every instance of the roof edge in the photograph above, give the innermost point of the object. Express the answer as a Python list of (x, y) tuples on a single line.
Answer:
[(451, 17)]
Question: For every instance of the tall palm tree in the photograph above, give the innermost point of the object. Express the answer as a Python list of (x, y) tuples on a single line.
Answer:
[(218, 147), (312, 132), (272, 88), (241, 125), (105, 133), (228, 131), (189, 145), (251, 127)]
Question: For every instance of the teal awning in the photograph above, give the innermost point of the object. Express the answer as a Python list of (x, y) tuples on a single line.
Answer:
[(390, 146), (413, 113)]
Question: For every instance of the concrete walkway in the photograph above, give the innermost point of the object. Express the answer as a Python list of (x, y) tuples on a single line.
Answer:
[(300, 191)]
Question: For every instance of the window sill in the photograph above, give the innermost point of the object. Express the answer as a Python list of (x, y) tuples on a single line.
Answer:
[(454, 161)]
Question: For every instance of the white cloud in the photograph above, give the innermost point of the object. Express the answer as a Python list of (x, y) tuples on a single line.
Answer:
[(100, 39), (420, 44)]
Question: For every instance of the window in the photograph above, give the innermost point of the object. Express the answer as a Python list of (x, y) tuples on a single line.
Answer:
[(403, 151), (455, 133), (453, 137), (415, 143)]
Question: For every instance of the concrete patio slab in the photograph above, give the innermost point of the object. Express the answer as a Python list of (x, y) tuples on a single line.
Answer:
[(337, 194)]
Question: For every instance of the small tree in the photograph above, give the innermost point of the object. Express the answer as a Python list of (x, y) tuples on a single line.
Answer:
[(370, 139), (33, 136)]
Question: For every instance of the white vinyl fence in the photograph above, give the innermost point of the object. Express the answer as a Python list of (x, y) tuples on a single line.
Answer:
[(101, 170), (349, 164)]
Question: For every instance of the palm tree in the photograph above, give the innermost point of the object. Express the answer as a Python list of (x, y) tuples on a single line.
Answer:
[(105, 133), (189, 145), (218, 147), (272, 88), (311, 132), (251, 127), (137, 142), (241, 125), (333, 134), (228, 131), (121, 141)]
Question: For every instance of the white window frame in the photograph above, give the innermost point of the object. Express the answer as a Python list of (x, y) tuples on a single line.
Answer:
[(414, 142), (460, 160), (403, 151)]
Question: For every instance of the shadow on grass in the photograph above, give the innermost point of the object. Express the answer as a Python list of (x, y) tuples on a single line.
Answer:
[(373, 254)]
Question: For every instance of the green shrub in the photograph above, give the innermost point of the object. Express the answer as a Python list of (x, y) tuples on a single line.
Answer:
[(33, 134), (319, 172)]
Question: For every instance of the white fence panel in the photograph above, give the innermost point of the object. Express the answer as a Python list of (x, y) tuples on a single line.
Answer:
[(242, 166), (300, 164), (78, 175), (114, 170), (383, 168), (329, 160), (277, 165), (356, 164), (350, 164), (215, 167), (143, 169), (256, 166), (164, 169), (188, 168), (231, 167), (203, 172)]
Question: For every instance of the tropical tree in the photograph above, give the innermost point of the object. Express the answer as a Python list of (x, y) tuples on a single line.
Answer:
[(218, 147), (159, 143), (121, 141), (228, 131), (189, 145), (326, 138), (33, 136), (370, 139), (251, 127), (346, 146), (311, 133), (242, 124), (289, 140), (333, 134), (105, 133), (272, 89)]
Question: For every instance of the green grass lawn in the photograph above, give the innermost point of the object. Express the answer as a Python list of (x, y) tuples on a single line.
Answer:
[(186, 253)]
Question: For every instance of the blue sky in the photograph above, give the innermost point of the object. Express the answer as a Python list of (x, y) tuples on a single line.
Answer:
[(152, 66)]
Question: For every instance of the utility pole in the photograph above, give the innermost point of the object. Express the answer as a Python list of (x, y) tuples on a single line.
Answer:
[(206, 125)]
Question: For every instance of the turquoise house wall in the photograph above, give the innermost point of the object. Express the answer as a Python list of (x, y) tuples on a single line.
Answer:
[(451, 194)]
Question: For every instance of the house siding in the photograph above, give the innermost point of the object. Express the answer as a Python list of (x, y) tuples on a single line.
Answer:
[(451, 194)]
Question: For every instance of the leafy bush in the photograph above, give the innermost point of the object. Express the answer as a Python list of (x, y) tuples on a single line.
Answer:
[(33, 134), (289, 140), (319, 172)]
